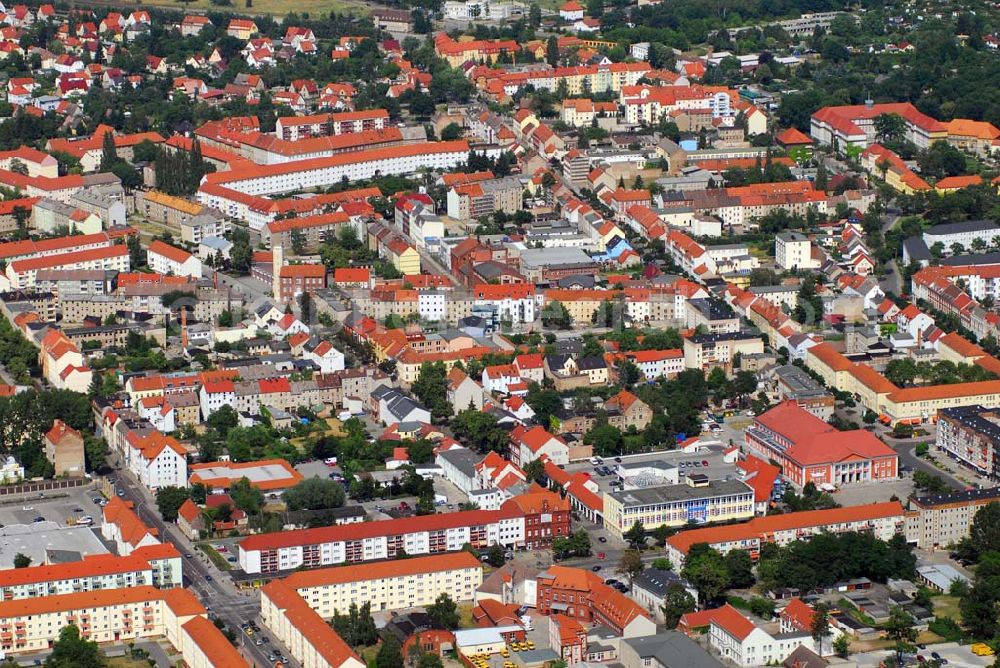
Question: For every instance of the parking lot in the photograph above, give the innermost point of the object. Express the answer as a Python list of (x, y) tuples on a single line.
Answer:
[(63, 507), (716, 469)]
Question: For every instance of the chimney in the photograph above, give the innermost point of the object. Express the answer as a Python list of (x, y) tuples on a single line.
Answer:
[(184, 327), (277, 260)]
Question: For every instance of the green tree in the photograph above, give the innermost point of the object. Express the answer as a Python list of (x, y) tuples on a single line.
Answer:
[(534, 15), (21, 560), (241, 254), (169, 500), (534, 470), (820, 626), (246, 497), (555, 315), (552, 51), (676, 603), (451, 132), (630, 564), (315, 494), (298, 242), (73, 651), (389, 655), (984, 532), (443, 612), (899, 628), (706, 570), (495, 556), (889, 127), (740, 568), (842, 646), (109, 155), (635, 535)]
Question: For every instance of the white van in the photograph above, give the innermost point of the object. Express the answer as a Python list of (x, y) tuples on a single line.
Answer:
[(330, 461)]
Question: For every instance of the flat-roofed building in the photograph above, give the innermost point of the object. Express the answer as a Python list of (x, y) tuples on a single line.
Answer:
[(266, 475), (794, 384), (941, 520), (971, 435), (677, 505), (706, 350)]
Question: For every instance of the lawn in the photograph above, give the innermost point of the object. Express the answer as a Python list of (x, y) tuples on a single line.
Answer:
[(125, 662), (217, 559)]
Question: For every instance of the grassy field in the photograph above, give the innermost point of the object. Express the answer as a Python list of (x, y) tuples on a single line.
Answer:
[(125, 662), (217, 559)]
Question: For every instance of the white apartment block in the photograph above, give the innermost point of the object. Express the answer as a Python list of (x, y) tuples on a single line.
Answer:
[(391, 585), (793, 250)]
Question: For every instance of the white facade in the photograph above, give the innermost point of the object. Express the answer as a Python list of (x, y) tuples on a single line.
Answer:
[(759, 648), (793, 251), (213, 400), (507, 531)]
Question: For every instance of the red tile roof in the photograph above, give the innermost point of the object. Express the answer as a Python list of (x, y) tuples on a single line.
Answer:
[(770, 524)]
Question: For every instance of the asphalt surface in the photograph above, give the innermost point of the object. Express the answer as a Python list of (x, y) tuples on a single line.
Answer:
[(214, 588)]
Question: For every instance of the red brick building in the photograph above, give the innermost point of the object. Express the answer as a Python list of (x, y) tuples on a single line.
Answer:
[(298, 278), (546, 516), (583, 596)]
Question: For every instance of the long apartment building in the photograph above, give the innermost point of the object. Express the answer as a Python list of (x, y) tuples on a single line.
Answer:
[(883, 520), (92, 573), (294, 128), (119, 616), (233, 192), (910, 405), (372, 541), (309, 639), (971, 435), (854, 125), (21, 274), (389, 585), (941, 520)]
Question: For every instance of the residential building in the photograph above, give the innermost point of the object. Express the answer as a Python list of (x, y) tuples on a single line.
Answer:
[(940, 521), (310, 639), (702, 351), (744, 643), (793, 250), (368, 541), (650, 588), (64, 449), (389, 585), (882, 520)]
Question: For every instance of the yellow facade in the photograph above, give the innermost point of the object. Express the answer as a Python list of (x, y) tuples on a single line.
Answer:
[(406, 262)]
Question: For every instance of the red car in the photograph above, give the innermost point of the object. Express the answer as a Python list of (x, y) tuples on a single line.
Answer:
[(704, 462), (601, 555)]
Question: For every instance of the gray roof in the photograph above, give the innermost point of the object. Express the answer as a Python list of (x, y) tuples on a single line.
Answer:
[(673, 649), (218, 243), (463, 459), (961, 228), (916, 249), (656, 581), (683, 492), (547, 257)]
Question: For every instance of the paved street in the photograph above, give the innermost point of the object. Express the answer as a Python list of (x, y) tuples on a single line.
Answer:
[(213, 587)]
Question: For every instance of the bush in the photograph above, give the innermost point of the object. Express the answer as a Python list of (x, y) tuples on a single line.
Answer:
[(947, 628)]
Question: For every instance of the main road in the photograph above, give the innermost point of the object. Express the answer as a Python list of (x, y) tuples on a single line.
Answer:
[(213, 587)]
